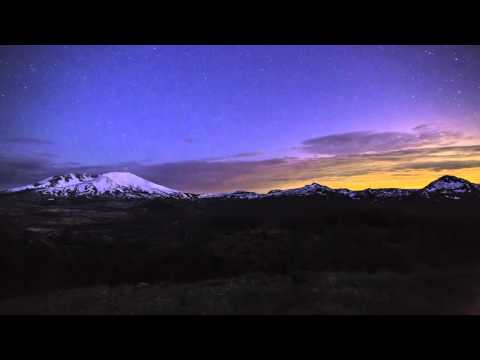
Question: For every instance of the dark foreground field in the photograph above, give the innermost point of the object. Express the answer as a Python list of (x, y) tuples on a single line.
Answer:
[(323, 293), (271, 256)]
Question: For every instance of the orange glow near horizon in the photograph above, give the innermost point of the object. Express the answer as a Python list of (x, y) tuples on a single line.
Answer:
[(406, 170), (415, 179), (409, 180)]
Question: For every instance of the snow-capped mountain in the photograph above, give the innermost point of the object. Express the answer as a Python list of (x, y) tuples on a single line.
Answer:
[(128, 185), (450, 187), (307, 190), (320, 190), (112, 184), (231, 195), (314, 190), (380, 194)]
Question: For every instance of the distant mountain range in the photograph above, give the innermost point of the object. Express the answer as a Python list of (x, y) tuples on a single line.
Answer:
[(449, 187), (126, 185)]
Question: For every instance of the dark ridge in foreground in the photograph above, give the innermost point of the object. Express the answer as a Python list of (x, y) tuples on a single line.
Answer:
[(392, 249)]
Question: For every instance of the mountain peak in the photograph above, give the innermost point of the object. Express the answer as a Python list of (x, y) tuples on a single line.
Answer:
[(449, 183), (451, 178), (127, 185), (239, 194), (312, 189), (122, 176), (116, 184)]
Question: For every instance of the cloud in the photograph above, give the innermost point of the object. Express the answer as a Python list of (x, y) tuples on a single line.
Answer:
[(203, 175), (440, 165), (400, 167), (409, 155), (24, 141), (246, 154), (195, 176), (236, 156), (422, 127), (16, 170), (361, 142)]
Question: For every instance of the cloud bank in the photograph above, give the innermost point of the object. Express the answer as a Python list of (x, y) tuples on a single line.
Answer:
[(358, 160), (368, 141)]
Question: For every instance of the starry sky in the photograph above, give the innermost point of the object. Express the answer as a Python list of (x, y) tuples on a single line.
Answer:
[(222, 118)]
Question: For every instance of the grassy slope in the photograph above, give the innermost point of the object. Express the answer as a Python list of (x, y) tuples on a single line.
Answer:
[(281, 256), (301, 293)]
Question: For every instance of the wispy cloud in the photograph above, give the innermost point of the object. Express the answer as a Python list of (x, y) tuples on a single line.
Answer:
[(440, 165), (246, 154), (206, 175), (360, 160), (236, 156), (24, 141), (369, 141), (15, 170)]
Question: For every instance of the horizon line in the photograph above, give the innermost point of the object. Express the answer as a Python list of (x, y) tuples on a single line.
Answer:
[(260, 193)]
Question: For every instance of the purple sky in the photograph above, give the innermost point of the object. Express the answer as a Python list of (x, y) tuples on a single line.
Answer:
[(216, 118)]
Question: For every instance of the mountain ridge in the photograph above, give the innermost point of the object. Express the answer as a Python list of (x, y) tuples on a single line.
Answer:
[(128, 185), (447, 186), (111, 184)]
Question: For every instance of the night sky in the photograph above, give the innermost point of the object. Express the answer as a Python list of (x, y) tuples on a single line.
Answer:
[(224, 118)]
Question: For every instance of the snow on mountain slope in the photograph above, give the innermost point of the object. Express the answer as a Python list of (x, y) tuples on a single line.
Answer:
[(117, 184), (128, 185), (231, 195), (450, 186), (129, 180), (389, 193), (58, 181), (313, 189)]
